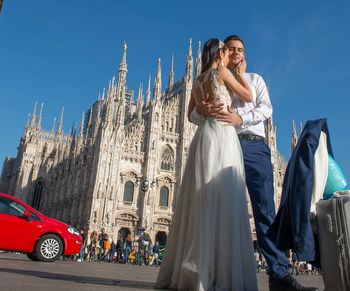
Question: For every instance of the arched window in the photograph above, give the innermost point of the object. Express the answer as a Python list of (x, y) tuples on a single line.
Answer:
[(167, 159), (165, 166), (128, 192), (164, 196), (37, 195), (172, 125)]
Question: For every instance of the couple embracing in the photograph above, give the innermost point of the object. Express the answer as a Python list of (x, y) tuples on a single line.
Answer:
[(210, 245)]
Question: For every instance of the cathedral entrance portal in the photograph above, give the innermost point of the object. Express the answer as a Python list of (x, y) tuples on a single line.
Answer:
[(161, 237), (123, 232)]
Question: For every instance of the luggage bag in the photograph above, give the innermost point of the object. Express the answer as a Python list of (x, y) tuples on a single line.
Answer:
[(333, 226)]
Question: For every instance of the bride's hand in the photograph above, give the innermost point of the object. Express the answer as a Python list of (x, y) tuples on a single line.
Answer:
[(241, 67)]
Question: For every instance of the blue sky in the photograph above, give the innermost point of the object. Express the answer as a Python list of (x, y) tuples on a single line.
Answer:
[(63, 53)]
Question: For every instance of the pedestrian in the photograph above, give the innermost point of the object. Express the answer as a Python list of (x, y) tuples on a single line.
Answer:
[(101, 240), (156, 253), (295, 268), (257, 259), (120, 243), (113, 253), (93, 246), (135, 246), (127, 248), (83, 245)]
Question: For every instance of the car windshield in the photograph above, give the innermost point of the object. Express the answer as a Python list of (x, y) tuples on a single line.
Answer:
[(8, 206)]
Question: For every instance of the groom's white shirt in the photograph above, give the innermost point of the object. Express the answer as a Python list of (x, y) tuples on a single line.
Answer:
[(254, 113)]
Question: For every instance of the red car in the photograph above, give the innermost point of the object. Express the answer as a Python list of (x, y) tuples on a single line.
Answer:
[(26, 230)]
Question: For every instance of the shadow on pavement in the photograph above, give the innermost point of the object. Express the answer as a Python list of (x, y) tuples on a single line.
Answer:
[(82, 279)]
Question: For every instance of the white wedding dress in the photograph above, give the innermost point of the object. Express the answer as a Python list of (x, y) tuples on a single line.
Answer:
[(210, 245)]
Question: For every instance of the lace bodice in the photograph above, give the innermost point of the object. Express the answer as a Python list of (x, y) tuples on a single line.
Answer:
[(208, 82)]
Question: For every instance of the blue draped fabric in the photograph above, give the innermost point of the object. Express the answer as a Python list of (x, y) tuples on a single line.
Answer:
[(291, 228)]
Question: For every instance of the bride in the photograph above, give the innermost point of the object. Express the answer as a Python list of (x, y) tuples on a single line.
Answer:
[(209, 245)]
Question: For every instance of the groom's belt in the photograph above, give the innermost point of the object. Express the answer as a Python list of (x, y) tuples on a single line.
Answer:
[(252, 137)]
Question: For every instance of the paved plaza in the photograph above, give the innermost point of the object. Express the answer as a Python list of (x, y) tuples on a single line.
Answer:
[(18, 273)]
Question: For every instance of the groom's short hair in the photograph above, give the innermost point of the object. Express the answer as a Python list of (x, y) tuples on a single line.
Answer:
[(233, 37)]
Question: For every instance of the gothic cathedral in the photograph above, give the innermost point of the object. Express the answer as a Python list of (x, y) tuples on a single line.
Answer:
[(122, 170)]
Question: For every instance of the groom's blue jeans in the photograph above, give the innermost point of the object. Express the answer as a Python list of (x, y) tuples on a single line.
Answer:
[(259, 179)]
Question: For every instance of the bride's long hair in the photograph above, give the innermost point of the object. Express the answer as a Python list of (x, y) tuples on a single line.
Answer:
[(210, 52)]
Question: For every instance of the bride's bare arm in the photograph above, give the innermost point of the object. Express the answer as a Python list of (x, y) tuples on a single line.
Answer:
[(242, 90), (191, 106), (240, 70)]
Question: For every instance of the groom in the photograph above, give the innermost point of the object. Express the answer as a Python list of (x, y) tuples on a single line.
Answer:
[(248, 118)]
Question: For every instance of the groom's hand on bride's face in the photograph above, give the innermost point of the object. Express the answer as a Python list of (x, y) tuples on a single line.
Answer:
[(230, 117)]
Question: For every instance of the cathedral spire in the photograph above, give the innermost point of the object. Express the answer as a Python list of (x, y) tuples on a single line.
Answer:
[(148, 92), (109, 87), (114, 90), (140, 102), (103, 94), (157, 89), (59, 127), (294, 136), (199, 60), (123, 67), (113, 83), (28, 120), (81, 129), (121, 84), (53, 125), (32, 122), (189, 62), (38, 124), (171, 74)]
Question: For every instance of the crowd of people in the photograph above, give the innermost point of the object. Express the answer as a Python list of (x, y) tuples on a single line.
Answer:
[(296, 267), (100, 247), (301, 267)]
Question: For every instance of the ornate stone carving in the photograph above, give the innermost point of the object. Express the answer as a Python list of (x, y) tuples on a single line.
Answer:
[(127, 219), (167, 159)]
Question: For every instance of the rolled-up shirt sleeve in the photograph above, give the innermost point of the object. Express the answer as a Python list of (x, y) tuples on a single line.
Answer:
[(195, 118), (263, 108)]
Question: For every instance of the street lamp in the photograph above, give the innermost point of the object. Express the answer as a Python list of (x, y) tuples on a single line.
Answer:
[(153, 183), (145, 185)]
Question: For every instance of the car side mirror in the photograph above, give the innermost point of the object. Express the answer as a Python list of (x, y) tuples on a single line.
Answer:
[(26, 215)]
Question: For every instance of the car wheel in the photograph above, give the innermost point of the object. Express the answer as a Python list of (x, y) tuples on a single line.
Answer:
[(49, 248), (32, 257)]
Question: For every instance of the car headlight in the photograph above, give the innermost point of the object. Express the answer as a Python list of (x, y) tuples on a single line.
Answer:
[(72, 230)]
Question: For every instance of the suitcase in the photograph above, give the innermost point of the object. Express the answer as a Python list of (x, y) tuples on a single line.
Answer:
[(333, 226)]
